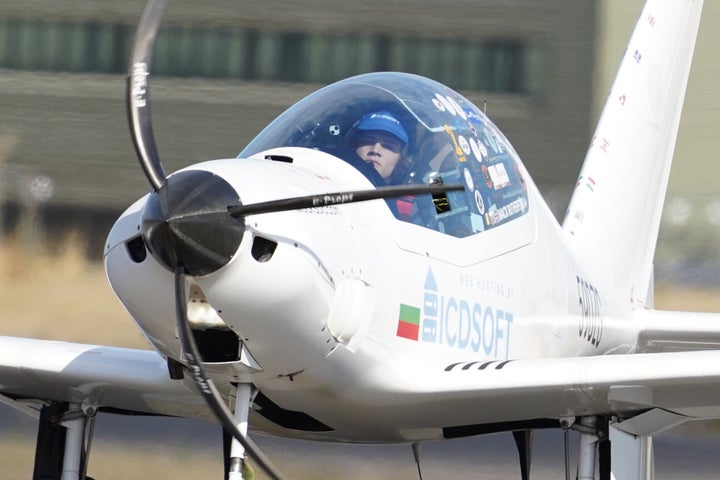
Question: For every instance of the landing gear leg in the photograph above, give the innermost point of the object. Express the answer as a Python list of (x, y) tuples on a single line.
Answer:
[(75, 423), (238, 468), (63, 442), (594, 440), (588, 448)]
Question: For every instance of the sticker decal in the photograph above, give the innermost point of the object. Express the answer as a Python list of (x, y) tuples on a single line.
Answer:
[(458, 151), (476, 150), (408, 322), (499, 176), (483, 149), (464, 144), (496, 215), (457, 107), (451, 321), (444, 101), (486, 175), (479, 202), (495, 143), (468, 179)]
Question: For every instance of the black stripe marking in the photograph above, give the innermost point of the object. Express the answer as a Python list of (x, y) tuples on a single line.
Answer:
[(502, 364), (451, 366)]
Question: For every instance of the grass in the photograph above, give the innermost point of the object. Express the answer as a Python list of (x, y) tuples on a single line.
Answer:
[(61, 296)]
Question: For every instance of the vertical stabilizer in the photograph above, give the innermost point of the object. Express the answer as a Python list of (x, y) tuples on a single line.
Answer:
[(614, 214)]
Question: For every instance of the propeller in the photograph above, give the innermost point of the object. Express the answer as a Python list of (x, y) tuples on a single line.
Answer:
[(138, 95), (193, 221), (175, 216)]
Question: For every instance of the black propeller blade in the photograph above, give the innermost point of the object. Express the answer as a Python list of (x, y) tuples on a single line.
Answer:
[(337, 198), (138, 97)]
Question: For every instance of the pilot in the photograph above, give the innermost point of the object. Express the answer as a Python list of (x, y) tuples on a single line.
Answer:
[(380, 140)]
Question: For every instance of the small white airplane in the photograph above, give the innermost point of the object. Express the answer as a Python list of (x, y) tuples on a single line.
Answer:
[(313, 291)]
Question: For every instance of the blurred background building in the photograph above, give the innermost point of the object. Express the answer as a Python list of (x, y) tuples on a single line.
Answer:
[(223, 69)]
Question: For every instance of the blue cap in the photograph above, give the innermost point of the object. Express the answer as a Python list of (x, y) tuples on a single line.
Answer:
[(383, 121)]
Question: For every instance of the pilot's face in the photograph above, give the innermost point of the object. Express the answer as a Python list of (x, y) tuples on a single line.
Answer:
[(381, 149)]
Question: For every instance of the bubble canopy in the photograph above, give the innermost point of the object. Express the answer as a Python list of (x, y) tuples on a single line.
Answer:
[(439, 136)]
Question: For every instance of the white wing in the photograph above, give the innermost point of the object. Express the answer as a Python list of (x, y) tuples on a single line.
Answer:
[(483, 397), (103, 377), (684, 384)]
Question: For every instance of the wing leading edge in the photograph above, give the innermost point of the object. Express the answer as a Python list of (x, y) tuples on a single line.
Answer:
[(686, 385), (104, 377)]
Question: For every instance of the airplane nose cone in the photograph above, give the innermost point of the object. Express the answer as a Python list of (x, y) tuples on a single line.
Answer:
[(186, 223)]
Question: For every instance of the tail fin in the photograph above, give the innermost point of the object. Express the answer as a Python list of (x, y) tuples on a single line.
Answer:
[(614, 214)]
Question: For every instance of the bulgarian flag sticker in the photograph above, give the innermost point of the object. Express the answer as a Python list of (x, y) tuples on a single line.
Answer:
[(408, 322)]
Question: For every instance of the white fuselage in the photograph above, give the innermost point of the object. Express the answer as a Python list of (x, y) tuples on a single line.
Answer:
[(354, 305)]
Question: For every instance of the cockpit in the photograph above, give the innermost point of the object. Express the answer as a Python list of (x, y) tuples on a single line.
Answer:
[(399, 128)]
